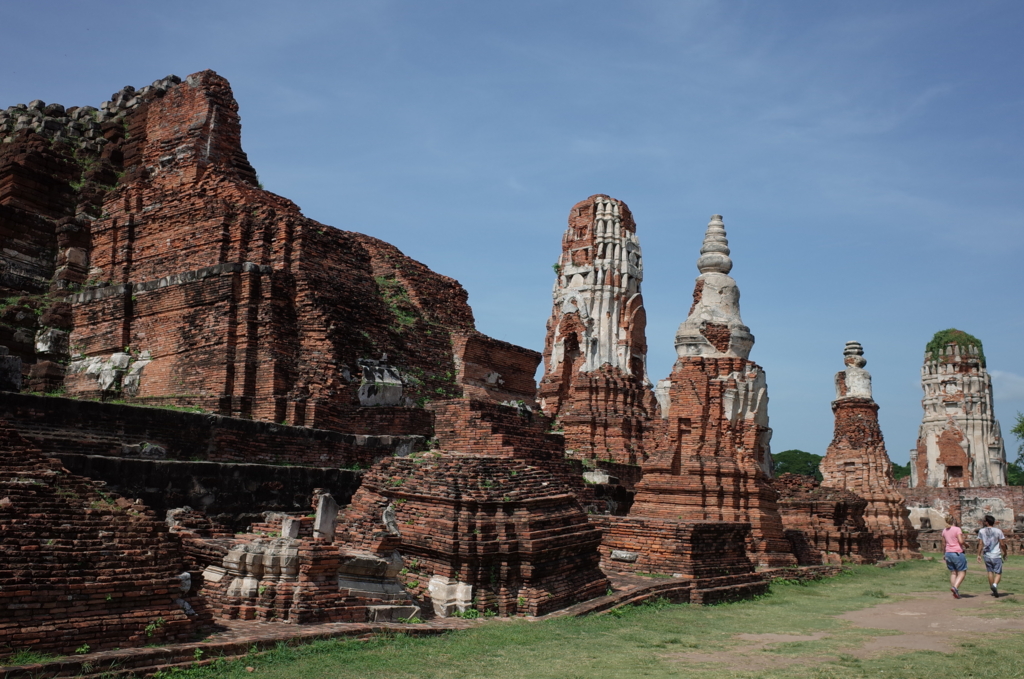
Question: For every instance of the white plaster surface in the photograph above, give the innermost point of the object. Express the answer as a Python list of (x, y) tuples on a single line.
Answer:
[(958, 398), (719, 302), (604, 293)]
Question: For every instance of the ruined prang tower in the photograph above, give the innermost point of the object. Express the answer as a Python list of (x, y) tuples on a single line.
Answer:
[(712, 461), (856, 459), (959, 443), (595, 356)]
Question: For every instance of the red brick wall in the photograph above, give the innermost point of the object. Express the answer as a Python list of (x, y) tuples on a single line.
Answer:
[(60, 425), (977, 501), (493, 370), (705, 467), (79, 566), (692, 550)]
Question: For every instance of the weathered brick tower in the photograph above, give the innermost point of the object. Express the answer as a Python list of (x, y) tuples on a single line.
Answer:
[(595, 355), (713, 460), (856, 459), (959, 444)]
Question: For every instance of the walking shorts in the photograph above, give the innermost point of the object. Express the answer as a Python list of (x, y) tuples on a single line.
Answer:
[(956, 561), (994, 565)]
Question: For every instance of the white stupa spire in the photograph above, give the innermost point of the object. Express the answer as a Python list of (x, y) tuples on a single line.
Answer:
[(714, 327)]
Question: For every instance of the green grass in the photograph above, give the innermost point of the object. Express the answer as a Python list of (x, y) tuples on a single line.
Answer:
[(654, 640)]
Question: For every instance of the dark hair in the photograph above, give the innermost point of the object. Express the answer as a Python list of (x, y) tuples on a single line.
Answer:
[(990, 520)]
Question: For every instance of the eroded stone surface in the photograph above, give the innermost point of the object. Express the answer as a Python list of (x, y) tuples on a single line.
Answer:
[(959, 443), (595, 380)]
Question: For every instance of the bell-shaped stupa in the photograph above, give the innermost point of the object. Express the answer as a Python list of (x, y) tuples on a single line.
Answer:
[(712, 460), (713, 327)]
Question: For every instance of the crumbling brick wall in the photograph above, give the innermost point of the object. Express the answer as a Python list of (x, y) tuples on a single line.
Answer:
[(218, 293), (665, 546), (80, 567), (708, 464), (70, 426), (824, 524)]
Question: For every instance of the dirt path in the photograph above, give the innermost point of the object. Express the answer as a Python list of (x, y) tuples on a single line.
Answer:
[(932, 621), (927, 621)]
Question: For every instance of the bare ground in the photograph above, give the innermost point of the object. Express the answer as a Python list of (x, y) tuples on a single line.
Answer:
[(918, 621)]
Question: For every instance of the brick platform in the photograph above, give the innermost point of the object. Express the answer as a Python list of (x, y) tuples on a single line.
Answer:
[(495, 509)]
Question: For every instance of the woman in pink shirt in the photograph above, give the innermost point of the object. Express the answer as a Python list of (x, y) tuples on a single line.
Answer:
[(956, 562)]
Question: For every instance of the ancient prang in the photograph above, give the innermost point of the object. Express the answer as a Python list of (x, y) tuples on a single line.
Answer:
[(856, 459), (712, 460), (595, 380), (959, 444)]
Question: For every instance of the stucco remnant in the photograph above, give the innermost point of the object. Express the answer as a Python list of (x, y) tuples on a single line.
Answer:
[(595, 357), (959, 443)]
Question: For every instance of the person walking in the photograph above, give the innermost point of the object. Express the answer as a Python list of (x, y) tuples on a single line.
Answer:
[(991, 546), (956, 561)]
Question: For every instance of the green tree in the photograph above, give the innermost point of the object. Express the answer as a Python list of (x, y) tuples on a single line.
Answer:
[(797, 462), (1018, 431), (1015, 470), (900, 471)]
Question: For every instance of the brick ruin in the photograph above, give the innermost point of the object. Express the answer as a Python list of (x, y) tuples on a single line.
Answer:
[(192, 286), (81, 567), (491, 519), (856, 459), (712, 459), (825, 525), (959, 444), (595, 380), (346, 445)]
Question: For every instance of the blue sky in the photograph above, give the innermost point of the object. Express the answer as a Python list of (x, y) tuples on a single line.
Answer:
[(868, 157)]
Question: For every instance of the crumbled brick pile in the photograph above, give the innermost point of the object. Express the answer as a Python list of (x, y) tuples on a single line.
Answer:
[(857, 461), (497, 510), (79, 567), (706, 467), (595, 354), (824, 524)]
